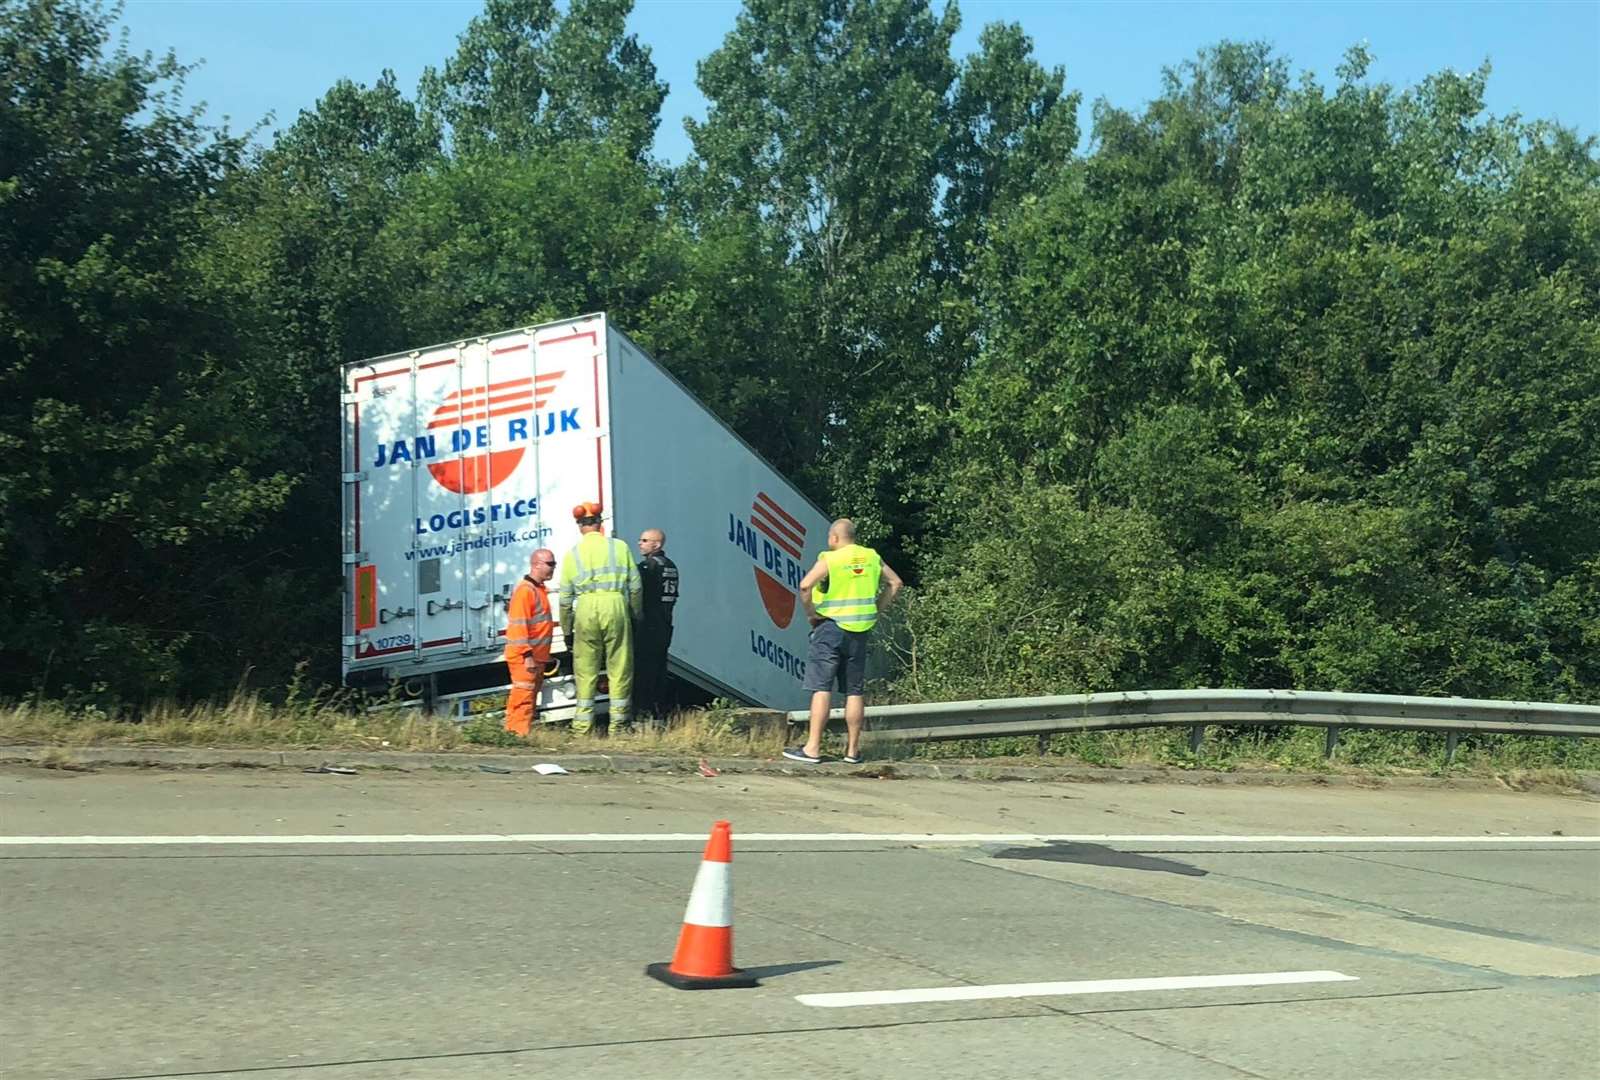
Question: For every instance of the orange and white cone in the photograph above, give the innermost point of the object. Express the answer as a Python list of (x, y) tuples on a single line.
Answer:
[(704, 958)]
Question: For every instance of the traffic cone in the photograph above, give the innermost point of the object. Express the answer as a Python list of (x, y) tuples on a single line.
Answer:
[(704, 958)]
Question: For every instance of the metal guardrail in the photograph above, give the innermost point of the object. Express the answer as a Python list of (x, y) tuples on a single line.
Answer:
[(1196, 709)]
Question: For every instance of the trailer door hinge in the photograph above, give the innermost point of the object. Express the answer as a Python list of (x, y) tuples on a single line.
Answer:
[(353, 477), (350, 397), (353, 557), (350, 639)]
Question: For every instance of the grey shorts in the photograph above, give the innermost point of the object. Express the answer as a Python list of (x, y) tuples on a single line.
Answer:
[(837, 659)]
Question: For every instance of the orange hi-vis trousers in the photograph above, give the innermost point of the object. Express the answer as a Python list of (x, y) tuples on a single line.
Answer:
[(523, 704)]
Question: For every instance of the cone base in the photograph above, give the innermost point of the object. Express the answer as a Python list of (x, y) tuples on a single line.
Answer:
[(738, 980)]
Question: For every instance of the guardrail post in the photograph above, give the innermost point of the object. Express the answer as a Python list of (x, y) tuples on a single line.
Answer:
[(1044, 744), (1330, 742), (1196, 734), (1450, 740)]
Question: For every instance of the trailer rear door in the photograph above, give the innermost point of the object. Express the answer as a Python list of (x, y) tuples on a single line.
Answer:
[(460, 461)]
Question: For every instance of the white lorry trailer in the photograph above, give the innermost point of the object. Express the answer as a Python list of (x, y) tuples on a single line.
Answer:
[(461, 459)]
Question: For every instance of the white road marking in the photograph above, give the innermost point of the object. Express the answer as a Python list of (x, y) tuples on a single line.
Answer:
[(778, 838), (1059, 989)]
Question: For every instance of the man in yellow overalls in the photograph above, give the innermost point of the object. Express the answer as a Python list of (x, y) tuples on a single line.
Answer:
[(841, 598), (601, 598)]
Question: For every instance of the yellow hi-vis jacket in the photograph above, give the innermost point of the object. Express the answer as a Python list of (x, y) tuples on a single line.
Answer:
[(851, 596), (597, 566)]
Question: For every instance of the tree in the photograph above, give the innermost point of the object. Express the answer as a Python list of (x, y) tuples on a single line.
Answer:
[(291, 255), (526, 77), (1012, 132), (134, 472), (1339, 352), (295, 236), (483, 243), (827, 123)]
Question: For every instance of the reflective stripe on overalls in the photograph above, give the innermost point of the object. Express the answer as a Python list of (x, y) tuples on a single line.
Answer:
[(612, 577)]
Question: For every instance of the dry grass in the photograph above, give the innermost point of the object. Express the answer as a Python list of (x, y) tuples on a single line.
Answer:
[(247, 721)]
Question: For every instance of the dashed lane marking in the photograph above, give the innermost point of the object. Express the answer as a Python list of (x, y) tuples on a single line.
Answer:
[(1061, 989)]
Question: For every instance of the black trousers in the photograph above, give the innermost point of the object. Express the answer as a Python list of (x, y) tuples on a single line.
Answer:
[(650, 668)]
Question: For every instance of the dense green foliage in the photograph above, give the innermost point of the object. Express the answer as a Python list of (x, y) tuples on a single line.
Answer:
[(1275, 385)]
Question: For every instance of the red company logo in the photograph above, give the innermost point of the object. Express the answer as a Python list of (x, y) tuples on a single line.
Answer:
[(471, 414), (777, 582)]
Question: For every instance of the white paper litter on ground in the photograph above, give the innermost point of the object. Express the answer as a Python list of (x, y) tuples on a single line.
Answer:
[(546, 768)]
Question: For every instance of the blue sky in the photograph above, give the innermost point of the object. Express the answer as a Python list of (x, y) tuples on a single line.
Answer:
[(279, 56)]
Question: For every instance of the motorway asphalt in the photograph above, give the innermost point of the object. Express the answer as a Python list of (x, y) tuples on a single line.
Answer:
[(482, 958)]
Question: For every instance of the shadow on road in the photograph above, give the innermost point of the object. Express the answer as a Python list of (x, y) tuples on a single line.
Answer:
[(1099, 855), (772, 971)]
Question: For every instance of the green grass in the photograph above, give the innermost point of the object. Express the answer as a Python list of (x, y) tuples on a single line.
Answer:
[(1289, 749)]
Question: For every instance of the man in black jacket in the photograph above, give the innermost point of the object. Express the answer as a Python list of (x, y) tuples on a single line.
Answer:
[(660, 576)]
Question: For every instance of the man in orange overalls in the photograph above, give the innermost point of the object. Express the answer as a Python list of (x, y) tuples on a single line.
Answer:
[(529, 628)]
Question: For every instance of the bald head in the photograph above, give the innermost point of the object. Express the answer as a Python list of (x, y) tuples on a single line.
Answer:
[(542, 565), (841, 532)]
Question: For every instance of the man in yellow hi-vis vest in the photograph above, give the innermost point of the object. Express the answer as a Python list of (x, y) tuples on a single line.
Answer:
[(601, 598), (841, 598)]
